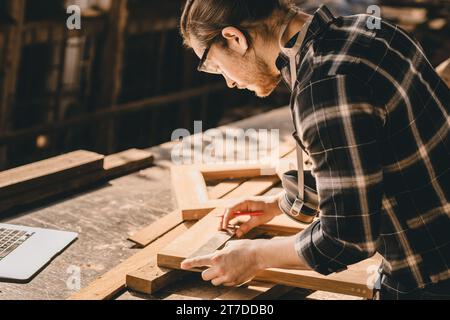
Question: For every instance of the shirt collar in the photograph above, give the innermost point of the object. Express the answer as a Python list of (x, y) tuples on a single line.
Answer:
[(322, 18)]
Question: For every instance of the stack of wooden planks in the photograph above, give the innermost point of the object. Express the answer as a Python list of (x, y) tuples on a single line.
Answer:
[(178, 236), (29, 184)]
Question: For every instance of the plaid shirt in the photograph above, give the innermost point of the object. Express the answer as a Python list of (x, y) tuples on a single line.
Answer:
[(373, 115)]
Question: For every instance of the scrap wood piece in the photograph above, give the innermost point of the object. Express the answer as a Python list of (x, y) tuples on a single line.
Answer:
[(49, 171), (351, 282), (112, 166), (112, 282)]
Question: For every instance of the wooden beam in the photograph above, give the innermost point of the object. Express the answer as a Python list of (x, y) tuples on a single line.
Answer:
[(114, 166), (112, 65), (49, 171), (151, 278), (104, 114), (123, 163), (112, 282)]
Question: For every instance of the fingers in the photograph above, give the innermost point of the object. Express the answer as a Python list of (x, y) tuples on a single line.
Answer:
[(211, 274), (222, 281), (230, 213), (248, 226), (204, 261), (251, 204)]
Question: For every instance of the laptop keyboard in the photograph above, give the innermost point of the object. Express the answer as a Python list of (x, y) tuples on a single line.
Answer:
[(11, 239)]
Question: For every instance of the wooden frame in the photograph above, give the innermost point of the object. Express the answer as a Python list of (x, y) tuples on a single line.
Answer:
[(190, 183)]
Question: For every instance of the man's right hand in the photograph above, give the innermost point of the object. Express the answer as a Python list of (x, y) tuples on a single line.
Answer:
[(268, 205)]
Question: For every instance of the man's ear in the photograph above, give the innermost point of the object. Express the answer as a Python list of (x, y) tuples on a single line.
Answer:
[(236, 40)]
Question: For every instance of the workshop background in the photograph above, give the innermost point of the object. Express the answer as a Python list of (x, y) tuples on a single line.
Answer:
[(124, 80)]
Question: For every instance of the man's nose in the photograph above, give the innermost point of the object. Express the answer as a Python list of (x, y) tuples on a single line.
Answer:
[(230, 83)]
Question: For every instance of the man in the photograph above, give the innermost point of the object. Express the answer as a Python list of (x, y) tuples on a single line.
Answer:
[(372, 114)]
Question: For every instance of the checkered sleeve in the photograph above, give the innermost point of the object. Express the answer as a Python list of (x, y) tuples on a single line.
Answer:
[(340, 128)]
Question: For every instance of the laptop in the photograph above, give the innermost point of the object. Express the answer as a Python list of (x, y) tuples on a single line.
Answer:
[(25, 251)]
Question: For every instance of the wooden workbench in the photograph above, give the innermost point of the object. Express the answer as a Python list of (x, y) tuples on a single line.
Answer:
[(104, 217)]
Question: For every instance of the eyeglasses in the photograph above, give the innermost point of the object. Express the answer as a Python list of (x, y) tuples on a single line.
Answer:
[(203, 65)]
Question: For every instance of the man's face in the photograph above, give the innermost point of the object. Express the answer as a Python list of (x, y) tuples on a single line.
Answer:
[(241, 67)]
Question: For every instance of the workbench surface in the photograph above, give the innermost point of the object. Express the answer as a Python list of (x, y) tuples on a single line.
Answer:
[(105, 216)]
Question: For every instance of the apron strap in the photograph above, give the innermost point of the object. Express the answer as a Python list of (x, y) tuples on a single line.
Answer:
[(292, 53)]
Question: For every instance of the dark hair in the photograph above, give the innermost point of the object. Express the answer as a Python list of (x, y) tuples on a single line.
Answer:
[(205, 19)]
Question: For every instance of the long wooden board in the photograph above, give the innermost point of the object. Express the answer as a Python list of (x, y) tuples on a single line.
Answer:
[(113, 166), (50, 171)]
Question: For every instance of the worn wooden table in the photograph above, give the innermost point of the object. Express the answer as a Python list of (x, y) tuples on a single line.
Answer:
[(104, 217)]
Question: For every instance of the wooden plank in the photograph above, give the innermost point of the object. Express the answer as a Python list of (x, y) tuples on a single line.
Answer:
[(112, 282), (151, 278), (189, 187), (236, 171), (190, 242), (125, 162), (157, 229), (113, 166), (282, 226), (50, 171), (224, 188), (253, 187), (353, 281)]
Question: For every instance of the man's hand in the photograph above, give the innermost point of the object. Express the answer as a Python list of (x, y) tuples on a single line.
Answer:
[(236, 264), (268, 205), (241, 260)]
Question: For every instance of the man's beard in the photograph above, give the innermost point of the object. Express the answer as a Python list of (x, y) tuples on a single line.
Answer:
[(264, 80)]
